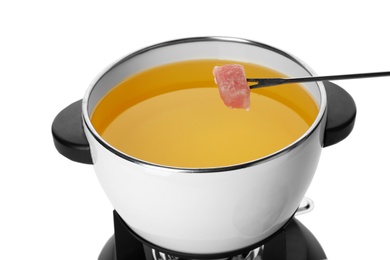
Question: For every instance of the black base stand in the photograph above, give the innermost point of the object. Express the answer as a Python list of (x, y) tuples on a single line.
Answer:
[(293, 242)]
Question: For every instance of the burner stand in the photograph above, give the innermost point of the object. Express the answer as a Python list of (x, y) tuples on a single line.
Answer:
[(292, 242)]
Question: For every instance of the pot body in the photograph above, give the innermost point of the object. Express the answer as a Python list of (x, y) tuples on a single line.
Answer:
[(210, 210)]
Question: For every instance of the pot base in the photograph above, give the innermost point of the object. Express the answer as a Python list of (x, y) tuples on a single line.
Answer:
[(294, 241)]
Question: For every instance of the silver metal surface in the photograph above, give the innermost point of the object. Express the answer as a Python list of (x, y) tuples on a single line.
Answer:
[(255, 254)]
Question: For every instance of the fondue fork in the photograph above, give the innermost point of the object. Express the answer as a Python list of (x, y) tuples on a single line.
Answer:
[(266, 82)]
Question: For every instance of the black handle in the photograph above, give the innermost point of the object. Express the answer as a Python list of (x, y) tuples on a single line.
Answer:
[(68, 134), (341, 114)]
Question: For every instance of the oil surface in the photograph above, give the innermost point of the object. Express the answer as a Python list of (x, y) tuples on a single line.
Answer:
[(173, 115)]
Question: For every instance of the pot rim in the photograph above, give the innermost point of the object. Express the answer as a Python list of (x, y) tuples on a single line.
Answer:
[(291, 146)]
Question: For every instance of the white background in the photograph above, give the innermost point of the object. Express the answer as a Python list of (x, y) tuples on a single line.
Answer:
[(53, 208)]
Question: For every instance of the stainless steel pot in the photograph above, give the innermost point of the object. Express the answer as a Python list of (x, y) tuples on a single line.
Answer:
[(205, 210)]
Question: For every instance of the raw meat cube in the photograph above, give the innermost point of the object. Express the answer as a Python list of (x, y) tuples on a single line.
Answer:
[(233, 87)]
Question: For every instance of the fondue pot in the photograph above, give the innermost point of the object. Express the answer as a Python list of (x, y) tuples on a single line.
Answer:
[(205, 210)]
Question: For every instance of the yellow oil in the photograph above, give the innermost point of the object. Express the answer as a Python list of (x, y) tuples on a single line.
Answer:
[(173, 115)]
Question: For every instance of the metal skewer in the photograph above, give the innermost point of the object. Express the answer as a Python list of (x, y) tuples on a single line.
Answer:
[(265, 82)]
